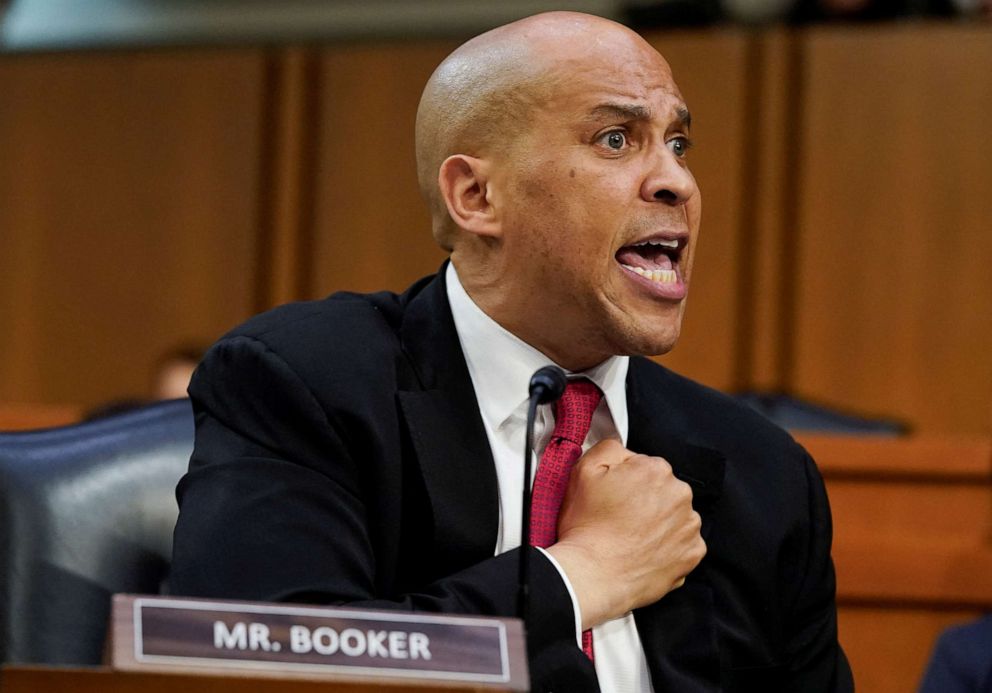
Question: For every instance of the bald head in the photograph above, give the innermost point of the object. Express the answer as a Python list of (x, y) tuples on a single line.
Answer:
[(478, 100)]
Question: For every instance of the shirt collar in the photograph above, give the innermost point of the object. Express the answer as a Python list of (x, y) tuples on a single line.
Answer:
[(501, 364)]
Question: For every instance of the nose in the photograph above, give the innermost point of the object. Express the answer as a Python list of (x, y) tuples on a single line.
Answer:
[(668, 180)]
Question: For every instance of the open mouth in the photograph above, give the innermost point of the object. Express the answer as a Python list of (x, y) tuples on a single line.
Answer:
[(655, 259)]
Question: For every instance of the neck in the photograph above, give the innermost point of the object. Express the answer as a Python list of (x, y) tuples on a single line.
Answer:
[(523, 314)]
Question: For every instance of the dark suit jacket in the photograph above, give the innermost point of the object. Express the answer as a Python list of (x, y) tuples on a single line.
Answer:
[(340, 457)]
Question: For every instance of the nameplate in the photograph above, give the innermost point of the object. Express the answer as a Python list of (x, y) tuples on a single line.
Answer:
[(166, 633)]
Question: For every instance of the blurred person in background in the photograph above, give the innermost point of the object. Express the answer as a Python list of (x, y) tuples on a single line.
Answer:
[(173, 370), (170, 376), (961, 660)]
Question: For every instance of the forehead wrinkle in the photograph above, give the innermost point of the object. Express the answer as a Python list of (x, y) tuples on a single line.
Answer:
[(627, 91), (609, 111), (620, 111)]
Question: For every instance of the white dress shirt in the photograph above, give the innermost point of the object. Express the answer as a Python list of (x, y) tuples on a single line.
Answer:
[(501, 365)]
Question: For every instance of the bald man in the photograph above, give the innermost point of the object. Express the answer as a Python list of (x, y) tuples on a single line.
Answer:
[(364, 449)]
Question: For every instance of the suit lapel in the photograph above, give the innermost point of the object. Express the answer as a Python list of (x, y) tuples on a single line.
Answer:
[(445, 427), (658, 427), (678, 631)]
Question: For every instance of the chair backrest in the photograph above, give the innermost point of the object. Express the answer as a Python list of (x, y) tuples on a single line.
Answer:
[(85, 511), (796, 414)]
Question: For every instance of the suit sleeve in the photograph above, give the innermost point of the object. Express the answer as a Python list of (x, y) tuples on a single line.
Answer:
[(817, 662), (275, 507)]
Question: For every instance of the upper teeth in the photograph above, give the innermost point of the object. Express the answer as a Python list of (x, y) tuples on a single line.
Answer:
[(667, 244)]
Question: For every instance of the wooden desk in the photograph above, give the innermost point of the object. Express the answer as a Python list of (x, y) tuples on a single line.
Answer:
[(25, 679), (912, 546)]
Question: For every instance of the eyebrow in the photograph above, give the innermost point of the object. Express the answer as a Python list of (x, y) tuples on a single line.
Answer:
[(610, 111), (620, 112)]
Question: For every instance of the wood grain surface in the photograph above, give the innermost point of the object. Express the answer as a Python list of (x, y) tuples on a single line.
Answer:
[(128, 215)]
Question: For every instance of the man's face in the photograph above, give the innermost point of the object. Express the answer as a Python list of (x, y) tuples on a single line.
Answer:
[(599, 210)]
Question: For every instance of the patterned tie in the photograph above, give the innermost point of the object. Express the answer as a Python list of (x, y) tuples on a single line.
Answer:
[(573, 416)]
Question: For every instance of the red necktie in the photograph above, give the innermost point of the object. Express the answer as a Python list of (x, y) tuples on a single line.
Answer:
[(573, 416)]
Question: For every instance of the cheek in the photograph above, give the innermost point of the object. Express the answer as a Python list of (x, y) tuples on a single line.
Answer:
[(569, 212), (694, 211)]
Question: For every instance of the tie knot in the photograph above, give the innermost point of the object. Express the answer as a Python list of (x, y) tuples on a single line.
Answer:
[(573, 412)]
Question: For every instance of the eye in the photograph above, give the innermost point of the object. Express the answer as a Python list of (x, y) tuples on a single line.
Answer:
[(614, 140), (680, 146)]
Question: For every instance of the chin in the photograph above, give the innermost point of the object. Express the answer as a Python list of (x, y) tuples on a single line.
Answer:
[(653, 343), (660, 347)]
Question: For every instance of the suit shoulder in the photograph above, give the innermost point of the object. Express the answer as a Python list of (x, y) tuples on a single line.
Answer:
[(333, 347), (337, 323), (711, 414)]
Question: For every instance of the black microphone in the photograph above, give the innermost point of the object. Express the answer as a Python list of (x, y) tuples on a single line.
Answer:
[(546, 385)]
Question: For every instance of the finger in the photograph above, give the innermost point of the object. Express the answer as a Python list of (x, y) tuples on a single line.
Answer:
[(649, 459)]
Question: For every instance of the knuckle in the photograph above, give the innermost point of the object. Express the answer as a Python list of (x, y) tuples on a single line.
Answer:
[(657, 471), (700, 550), (662, 465), (695, 520)]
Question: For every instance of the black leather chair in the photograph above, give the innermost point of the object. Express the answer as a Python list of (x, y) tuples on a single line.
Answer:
[(85, 511), (800, 415)]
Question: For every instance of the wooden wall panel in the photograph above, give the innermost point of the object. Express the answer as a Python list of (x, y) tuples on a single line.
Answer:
[(851, 269), (912, 546), (768, 213), (371, 230), (128, 191), (33, 416), (286, 162), (711, 70), (911, 510), (893, 309)]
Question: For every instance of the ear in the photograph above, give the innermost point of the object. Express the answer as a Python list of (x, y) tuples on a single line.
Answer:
[(464, 184)]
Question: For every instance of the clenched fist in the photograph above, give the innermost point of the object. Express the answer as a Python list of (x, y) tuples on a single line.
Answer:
[(627, 533)]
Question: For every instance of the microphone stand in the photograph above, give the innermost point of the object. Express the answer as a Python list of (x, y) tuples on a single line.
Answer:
[(546, 385)]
